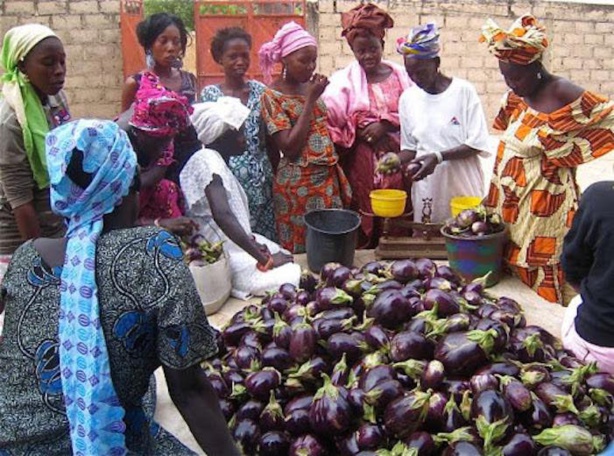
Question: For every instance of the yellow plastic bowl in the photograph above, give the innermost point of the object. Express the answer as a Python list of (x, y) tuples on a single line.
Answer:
[(460, 203), (388, 203)]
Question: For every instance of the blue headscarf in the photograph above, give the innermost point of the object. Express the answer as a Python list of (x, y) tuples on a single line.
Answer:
[(422, 42), (92, 406)]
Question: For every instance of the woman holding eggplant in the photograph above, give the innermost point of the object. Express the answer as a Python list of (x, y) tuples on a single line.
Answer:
[(309, 176), (362, 102), (443, 128), (550, 126)]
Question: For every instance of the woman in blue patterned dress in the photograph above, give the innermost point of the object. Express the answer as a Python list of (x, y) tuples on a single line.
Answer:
[(89, 317), (231, 48)]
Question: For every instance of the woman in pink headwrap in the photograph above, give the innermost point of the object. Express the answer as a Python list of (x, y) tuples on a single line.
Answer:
[(309, 176), (363, 110), (156, 116)]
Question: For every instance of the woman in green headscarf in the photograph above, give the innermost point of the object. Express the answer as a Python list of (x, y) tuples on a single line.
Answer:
[(32, 103)]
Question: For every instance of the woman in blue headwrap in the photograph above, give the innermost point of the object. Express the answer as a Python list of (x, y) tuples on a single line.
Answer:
[(32, 103), (443, 128), (89, 317)]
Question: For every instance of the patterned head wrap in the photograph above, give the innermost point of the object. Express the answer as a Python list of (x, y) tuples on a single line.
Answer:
[(421, 43), (92, 406), (523, 44), (21, 96), (157, 110), (212, 119), (367, 18), (291, 37)]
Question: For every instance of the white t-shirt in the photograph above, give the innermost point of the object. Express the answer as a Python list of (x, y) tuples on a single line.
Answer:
[(196, 175), (440, 122)]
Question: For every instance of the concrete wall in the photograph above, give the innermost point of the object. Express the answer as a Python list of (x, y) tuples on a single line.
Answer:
[(582, 39), (91, 36)]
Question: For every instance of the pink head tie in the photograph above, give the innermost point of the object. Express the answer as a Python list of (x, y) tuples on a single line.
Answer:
[(291, 37)]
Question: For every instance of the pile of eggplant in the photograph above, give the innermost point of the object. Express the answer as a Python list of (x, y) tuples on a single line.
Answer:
[(474, 222), (403, 359)]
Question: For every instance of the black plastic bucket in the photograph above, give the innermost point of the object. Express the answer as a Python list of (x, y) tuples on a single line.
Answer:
[(331, 237)]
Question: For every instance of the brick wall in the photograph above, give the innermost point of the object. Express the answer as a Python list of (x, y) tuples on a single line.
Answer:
[(90, 32), (582, 39)]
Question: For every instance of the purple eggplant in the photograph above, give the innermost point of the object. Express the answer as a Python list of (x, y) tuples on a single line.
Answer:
[(434, 416), (325, 328), (410, 345), (307, 445), (302, 342), (273, 443), (277, 357), (219, 385), (352, 345), (330, 412), (602, 381), (297, 422), (426, 268), (462, 449), (338, 277), (533, 375), (282, 333), (231, 335), (422, 442), (433, 375), (561, 419), (298, 403), (331, 297), (227, 408), (375, 375), (346, 444), (260, 384), (516, 393), (370, 437), (500, 368), (446, 305), (519, 444), (439, 283), (381, 394), (233, 376), (538, 417), (309, 371), (577, 440), (452, 417), (481, 382), (404, 270), (553, 451), (485, 310), (554, 396), (377, 338), (390, 309), (454, 323), (356, 398), (406, 414), (250, 410), (272, 416), (373, 267), (463, 352), (278, 304), (308, 281), (501, 338), (493, 415), (247, 435)]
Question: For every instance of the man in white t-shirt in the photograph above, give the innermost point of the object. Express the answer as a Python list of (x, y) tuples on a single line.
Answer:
[(443, 129)]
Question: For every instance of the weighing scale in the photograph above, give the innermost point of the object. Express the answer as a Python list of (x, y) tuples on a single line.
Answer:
[(424, 239)]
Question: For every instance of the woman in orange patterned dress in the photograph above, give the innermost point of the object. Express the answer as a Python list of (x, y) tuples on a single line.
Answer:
[(550, 126), (308, 176)]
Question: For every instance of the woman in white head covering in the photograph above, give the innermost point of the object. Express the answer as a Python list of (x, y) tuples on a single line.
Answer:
[(32, 103), (216, 200)]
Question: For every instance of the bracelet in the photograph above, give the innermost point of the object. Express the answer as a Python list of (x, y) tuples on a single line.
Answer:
[(157, 222), (439, 156), (268, 265)]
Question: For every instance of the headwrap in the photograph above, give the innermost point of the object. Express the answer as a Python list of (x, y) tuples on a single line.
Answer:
[(21, 96), (523, 44), (212, 119), (291, 37), (157, 110), (92, 406), (367, 17), (421, 43)]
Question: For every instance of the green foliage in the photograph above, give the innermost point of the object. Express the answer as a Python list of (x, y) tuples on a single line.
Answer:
[(182, 8)]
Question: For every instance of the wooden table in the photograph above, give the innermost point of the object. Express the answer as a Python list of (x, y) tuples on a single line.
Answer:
[(537, 311)]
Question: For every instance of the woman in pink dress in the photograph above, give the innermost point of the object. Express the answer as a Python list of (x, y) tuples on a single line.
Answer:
[(363, 111)]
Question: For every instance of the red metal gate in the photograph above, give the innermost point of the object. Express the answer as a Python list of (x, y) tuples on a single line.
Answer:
[(131, 13), (261, 19)]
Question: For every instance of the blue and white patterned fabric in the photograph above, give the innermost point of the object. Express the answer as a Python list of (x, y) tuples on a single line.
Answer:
[(92, 406)]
